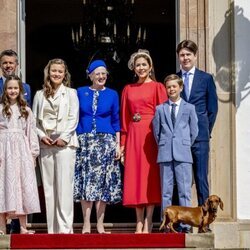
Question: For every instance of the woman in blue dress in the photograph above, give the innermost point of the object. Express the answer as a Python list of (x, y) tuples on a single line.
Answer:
[(97, 171)]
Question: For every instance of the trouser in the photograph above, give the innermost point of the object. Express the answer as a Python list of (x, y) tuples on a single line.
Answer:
[(57, 170), (200, 152), (182, 173)]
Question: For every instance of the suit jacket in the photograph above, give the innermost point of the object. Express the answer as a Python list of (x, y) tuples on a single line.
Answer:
[(26, 87), (68, 115), (175, 143), (203, 96)]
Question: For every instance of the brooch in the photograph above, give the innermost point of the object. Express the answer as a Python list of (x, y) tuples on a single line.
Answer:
[(136, 117)]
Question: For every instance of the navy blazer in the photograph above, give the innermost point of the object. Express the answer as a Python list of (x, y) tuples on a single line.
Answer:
[(26, 88), (174, 143), (107, 114), (204, 97)]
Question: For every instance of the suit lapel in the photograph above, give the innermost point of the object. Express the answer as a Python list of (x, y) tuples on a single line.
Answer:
[(41, 106), (195, 83), (166, 110), (63, 103), (183, 94), (1, 85)]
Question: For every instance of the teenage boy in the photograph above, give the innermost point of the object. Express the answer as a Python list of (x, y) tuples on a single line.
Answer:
[(199, 90)]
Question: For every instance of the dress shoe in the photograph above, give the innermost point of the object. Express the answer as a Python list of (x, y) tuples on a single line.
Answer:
[(15, 226)]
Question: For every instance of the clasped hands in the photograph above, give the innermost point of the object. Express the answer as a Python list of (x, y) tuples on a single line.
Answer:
[(57, 142)]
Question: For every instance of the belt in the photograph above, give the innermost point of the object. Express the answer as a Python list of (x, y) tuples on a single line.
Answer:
[(138, 117)]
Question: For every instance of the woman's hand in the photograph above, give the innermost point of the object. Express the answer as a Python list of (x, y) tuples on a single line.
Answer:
[(117, 153), (122, 154), (47, 141), (59, 142), (34, 160)]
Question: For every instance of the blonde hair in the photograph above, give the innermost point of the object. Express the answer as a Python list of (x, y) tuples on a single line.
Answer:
[(47, 87), (21, 103)]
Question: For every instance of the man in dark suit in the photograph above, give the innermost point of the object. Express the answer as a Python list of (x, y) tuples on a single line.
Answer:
[(199, 90), (8, 65)]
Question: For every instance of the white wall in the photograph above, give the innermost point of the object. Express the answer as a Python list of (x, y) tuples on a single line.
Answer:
[(242, 98)]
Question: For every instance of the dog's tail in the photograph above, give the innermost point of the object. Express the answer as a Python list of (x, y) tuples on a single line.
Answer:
[(163, 222)]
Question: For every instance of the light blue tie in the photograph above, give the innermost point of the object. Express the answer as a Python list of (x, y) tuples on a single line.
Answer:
[(186, 84)]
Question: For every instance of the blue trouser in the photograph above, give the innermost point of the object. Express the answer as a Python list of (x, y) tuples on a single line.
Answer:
[(182, 173), (200, 152)]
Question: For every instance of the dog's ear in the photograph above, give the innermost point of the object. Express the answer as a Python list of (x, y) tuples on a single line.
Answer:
[(205, 206), (221, 204)]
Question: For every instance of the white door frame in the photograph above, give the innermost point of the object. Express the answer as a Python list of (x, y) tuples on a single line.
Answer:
[(21, 38)]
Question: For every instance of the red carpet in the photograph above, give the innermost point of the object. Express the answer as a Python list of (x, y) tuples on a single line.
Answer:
[(63, 241)]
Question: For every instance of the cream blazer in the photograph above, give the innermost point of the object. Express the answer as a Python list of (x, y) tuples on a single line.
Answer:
[(68, 115)]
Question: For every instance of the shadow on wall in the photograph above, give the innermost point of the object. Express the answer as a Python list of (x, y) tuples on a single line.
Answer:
[(240, 65)]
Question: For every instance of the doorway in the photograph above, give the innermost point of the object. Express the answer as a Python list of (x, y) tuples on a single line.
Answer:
[(51, 33)]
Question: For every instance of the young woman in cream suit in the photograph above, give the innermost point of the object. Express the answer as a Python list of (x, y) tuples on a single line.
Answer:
[(56, 110)]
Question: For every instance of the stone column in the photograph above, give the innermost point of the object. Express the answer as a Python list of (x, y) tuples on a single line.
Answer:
[(8, 24), (206, 23)]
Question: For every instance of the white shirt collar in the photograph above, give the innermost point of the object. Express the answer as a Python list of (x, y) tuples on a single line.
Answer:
[(178, 103), (191, 71)]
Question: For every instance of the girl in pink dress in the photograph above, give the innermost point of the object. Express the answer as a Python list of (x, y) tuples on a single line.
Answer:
[(19, 148)]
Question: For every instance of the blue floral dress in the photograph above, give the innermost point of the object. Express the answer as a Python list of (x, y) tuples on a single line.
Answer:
[(97, 174)]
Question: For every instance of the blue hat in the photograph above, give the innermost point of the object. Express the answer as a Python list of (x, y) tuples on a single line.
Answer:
[(95, 64)]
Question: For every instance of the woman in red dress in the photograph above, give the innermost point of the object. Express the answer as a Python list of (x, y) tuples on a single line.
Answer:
[(141, 175)]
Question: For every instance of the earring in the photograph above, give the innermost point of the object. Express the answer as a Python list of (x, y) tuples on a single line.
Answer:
[(150, 73)]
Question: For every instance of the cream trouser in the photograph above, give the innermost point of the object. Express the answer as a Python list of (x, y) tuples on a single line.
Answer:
[(57, 170)]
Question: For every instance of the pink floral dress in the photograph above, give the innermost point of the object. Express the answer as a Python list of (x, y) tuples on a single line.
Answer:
[(18, 148)]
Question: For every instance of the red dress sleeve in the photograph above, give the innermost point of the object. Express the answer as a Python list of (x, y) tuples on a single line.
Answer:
[(161, 94), (125, 115)]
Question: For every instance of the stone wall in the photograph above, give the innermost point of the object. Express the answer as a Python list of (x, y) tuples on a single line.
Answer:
[(8, 24), (203, 22)]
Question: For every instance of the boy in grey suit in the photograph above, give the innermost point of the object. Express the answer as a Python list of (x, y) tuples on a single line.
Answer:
[(175, 126)]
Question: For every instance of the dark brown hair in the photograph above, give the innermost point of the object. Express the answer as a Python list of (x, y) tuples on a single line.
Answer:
[(152, 72), (142, 53), (22, 104), (187, 44), (9, 52)]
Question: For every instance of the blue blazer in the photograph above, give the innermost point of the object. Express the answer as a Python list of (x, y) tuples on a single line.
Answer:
[(107, 114), (203, 96), (175, 143), (27, 92)]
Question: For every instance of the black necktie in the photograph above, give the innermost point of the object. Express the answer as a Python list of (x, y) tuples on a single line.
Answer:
[(173, 113)]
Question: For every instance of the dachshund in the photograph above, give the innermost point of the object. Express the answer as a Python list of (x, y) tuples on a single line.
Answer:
[(199, 217)]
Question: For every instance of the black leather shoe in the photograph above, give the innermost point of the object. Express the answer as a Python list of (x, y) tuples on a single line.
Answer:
[(15, 226), (8, 229)]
